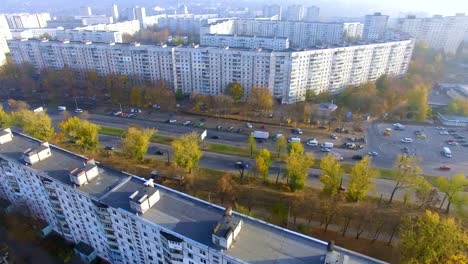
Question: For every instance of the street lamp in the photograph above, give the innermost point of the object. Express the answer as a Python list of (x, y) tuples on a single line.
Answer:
[(168, 156)]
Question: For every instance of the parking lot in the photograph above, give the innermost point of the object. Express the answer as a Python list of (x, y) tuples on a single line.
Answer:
[(429, 149)]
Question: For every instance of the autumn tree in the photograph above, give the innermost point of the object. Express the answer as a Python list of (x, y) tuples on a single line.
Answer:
[(235, 90), (225, 187), (407, 174), (187, 151), (458, 106), (260, 99), (297, 166), (417, 102), (263, 162), (430, 238), (5, 118), (16, 106), (332, 175), (361, 179), (281, 144), (81, 132), (252, 144), (136, 142), (453, 189), (136, 97), (37, 125), (159, 93)]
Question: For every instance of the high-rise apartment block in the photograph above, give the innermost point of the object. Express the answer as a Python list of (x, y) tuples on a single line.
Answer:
[(312, 14), (288, 74), (86, 11), (139, 13), (272, 10), (185, 23), (125, 27), (5, 34), (115, 13), (374, 26), (26, 20), (124, 218), (294, 13), (440, 33)]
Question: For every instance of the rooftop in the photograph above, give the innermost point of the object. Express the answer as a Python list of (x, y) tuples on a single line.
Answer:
[(258, 242)]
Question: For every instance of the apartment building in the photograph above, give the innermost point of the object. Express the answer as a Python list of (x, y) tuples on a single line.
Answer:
[(4, 36), (198, 69), (95, 20), (246, 42), (35, 33), (273, 10), (440, 33), (27, 20), (126, 27), (89, 35), (185, 22), (85, 11), (294, 13), (353, 30), (312, 14), (374, 26), (124, 218)]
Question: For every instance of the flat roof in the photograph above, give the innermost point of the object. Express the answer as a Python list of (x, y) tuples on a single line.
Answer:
[(258, 241)]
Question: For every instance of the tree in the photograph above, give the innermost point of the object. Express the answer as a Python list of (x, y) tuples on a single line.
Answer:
[(224, 187), (136, 98), (5, 118), (16, 106), (263, 162), (452, 188), (235, 90), (360, 179), (279, 213), (281, 145), (187, 151), (382, 83), (332, 175), (430, 238), (252, 144), (458, 106), (297, 166), (407, 174), (417, 102), (81, 132), (136, 142), (260, 99), (37, 125)]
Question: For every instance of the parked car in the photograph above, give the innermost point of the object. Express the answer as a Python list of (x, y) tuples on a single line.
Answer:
[(440, 128), (109, 147), (249, 125), (214, 137), (219, 128), (117, 113), (406, 140), (294, 139), (131, 115), (171, 121), (297, 131), (188, 123), (334, 136), (443, 133), (231, 128), (61, 108), (78, 110), (277, 136), (312, 142), (200, 124), (444, 167), (239, 130), (373, 153), (156, 106), (241, 165)]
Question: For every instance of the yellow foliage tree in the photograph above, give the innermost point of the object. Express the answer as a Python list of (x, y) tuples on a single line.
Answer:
[(297, 166), (263, 162), (332, 174), (81, 132), (37, 125), (187, 151), (361, 179), (136, 142)]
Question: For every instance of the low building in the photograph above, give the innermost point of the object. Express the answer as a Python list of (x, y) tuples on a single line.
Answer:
[(453, 120)]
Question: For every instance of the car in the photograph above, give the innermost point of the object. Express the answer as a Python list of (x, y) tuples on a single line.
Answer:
[(444, 167), (156, 106), (440, 128), (352, 139), (297, 131), (458, 137), (61, 108), (334, 136), (325, 149), (219, 128), (135, 110), (443, 133), (78, 110), (421, 136), (116, 113), (373, 153), (248, 125), (159, 152), (241, 165), (398, 126), (214, 137), (465, 145), (418, 132), (202, 119), (263, 127), (277, 136), (357, 157), (239, 130), (270, 115), (200, 124), (406, 140), (109, 147), (452, 143), (171, 121), (451, 131), (312, 142), (131, 115), (187, 123), (406, 150), (323, 127), (260, 140), (349, 145), (294, 139), (231, 128)]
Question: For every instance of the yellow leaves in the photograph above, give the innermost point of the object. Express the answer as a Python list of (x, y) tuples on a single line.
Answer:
[(187, 151), (260, 99), (263, 162), (136, 142), (37, 125), (332, 174), (82, 132), (297, 166), (360, 179)]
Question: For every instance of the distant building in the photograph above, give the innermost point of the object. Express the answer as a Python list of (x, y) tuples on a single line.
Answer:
[(115, 13), (27, 20), (294, 13), (272, 10), (85, 11), (94, 20), (139, 13), (125, 27), (374, 26), (312, 14), (182, 10), (353, 30), (5, 34), (86, 35), (453, 120)]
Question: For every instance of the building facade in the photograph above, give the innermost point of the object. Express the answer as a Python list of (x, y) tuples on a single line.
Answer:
[(196, 69), (312, 14), (124, 218), (374, 26), (440, 33), (95, 20), (185, 23), (27, 20), (273, 10), (294, 13), (246, 42), (87, 35), (126, 27)]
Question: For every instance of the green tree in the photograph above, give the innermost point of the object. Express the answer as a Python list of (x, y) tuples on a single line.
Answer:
[(5, 118), (361, 179), (281, 145), (453, 189), (458, 106), (82, 132), (430, 238), (297, 166), (136, 97), (382, 83), (332, 175), (252, 144), (136, 142), (37, 125), (407, 174), (187, 151), (263, 162), (235, 90)]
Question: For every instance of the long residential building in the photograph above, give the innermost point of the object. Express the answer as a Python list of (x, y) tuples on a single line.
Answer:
[(208, 70), (124, 218), (27, 20), (126, 27), (440, 33)]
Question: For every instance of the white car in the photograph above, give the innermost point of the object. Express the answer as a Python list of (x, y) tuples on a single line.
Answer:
[(443, 133), (249, 125), (156, 106), (277, 136), (171, 121), (78, 110), (373, 153), (324, 149), (406, 140), (187, 123), (294, 139), (440, 128), (312, 142), (62, 108)]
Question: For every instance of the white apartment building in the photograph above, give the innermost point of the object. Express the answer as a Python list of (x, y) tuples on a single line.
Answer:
[(27, 20), (300, 34), (294, 13), (273, 10), (186, 22), (353, 30), (115, 12), (86, 11), (36, 33), (287, 74), (374, 26), (312, 14), (245, 42), (88, 35), (440, 33), (126, 27), (95, 20), (124, 218), (4, 36)]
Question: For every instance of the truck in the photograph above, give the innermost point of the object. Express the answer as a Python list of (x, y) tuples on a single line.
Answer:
[(261, 135), (328, 145)]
